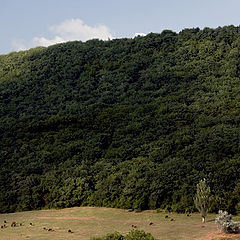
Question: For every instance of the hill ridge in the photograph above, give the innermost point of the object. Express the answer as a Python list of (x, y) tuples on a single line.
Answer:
[(127, 123)]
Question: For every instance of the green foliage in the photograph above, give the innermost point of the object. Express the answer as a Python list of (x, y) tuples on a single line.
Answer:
[(127, 123), (110, 236), (138, 235), (133, 235), (202, 198)]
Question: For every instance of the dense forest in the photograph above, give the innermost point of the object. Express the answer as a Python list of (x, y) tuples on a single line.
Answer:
[(126, 123)]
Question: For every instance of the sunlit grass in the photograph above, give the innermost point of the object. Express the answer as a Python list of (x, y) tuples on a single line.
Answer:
[(87, 222)]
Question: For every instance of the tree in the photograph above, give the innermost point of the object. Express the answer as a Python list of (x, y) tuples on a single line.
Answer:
[(202, 198)]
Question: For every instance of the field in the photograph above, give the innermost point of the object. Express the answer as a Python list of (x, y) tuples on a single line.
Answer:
[(87, 222)]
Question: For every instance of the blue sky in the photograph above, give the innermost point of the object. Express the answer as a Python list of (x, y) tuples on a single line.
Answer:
[(29, 23)]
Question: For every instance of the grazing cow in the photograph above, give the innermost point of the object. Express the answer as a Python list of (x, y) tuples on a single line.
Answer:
[(134, 226), (14, 224), (2, 227), (70, 231), (30, 224), (151, 223), (188, 215), (4, 221), (50, 230), (172, 219), (166, 216)]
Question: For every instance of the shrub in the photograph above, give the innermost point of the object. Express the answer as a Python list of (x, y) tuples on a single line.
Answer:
[(225, 223), (110, 236), (138, 235), (133, 235)]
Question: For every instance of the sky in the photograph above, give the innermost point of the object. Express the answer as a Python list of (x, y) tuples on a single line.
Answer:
[(29, 23)]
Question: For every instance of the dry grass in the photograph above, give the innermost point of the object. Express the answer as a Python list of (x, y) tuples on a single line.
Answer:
[(87, 222)]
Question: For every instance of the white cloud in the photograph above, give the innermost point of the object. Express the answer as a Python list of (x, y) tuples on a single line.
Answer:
[(42, 41), (76, 29), (69, 30), (139, 34)]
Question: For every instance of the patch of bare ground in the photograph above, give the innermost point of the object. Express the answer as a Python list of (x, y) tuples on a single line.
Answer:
[(88, 219), (217, 235)]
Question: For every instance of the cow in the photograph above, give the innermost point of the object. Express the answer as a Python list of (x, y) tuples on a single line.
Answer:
[(14, 224)]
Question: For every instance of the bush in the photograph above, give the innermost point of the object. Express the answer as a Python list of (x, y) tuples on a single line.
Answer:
[(225, 223), (138, 235), (133, 235), (110, 236)]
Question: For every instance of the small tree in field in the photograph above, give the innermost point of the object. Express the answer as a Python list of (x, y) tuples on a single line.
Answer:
[(202, 198)]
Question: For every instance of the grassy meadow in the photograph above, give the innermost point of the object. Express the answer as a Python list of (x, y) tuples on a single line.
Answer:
[(87, 222)]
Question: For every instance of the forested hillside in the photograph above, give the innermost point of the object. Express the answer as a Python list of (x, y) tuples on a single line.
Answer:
[(128, 123)]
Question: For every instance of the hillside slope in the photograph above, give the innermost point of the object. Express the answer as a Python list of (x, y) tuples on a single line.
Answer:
[(129, 123)]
